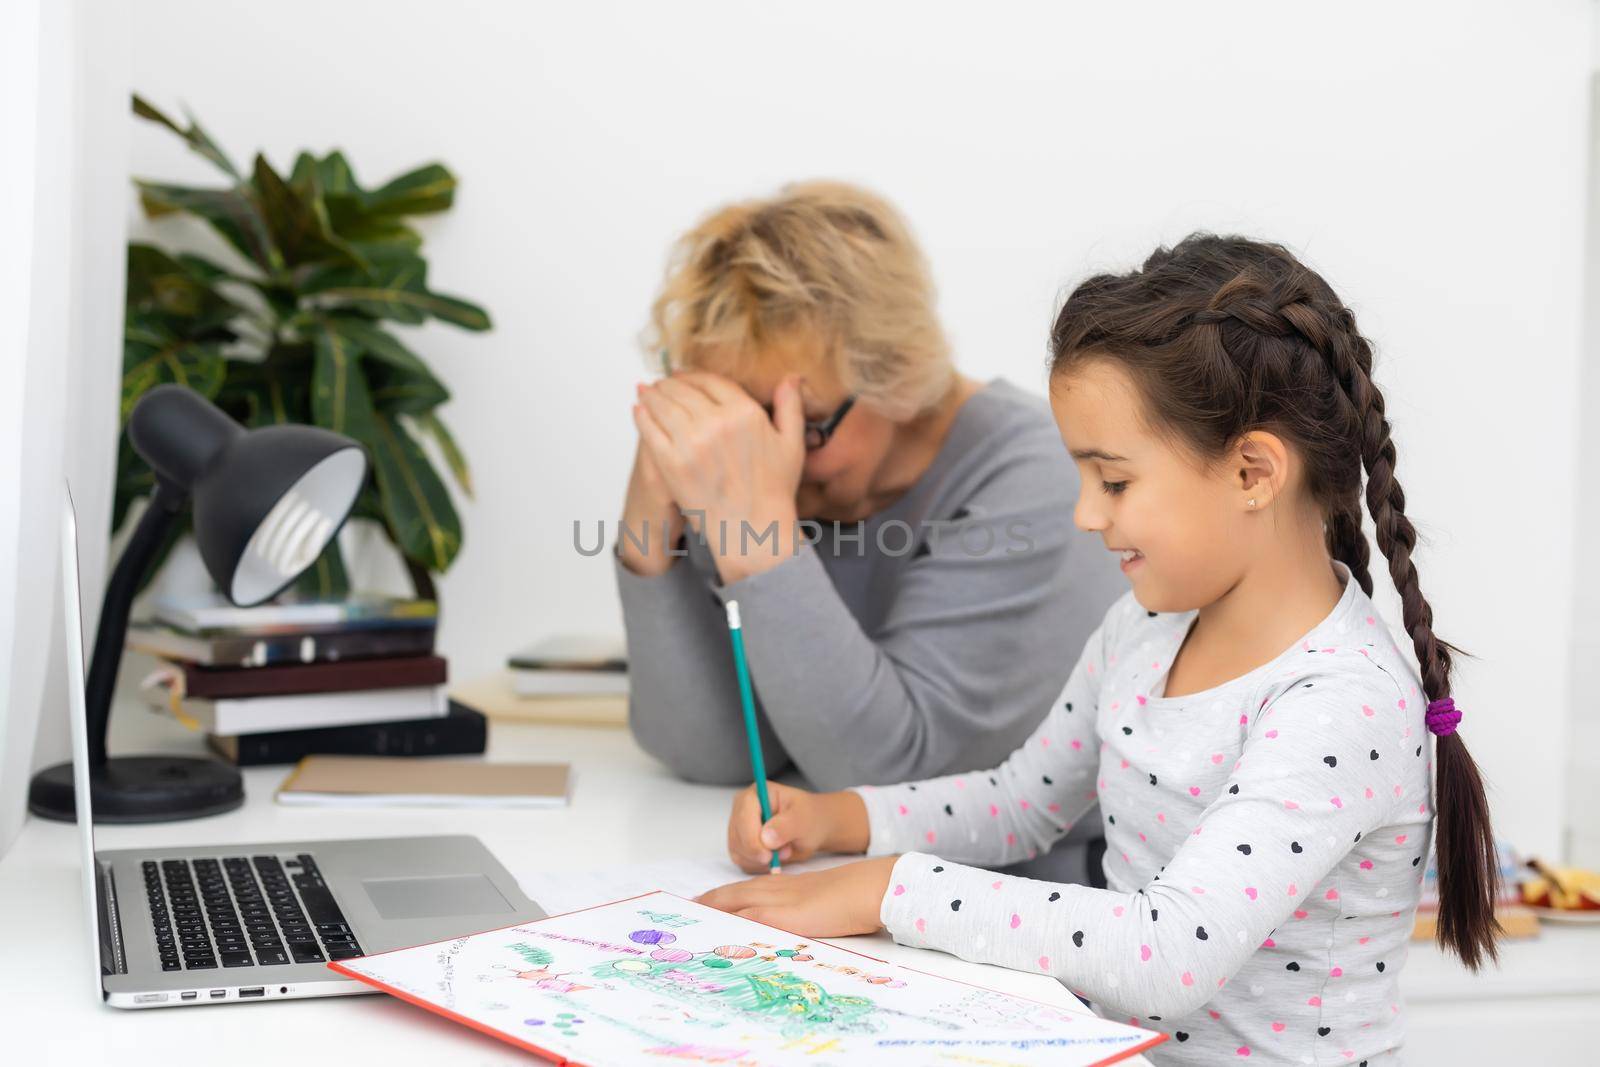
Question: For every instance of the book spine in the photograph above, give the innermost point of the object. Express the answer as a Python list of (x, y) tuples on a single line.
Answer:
[(288, 679), (268, 649), (462, 733)]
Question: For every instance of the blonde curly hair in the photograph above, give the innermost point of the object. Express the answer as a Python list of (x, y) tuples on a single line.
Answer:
[(826, 275)]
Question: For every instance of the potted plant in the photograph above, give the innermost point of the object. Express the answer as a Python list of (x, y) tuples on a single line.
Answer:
[(300, 327)]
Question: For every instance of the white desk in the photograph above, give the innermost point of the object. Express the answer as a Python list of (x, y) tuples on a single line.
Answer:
[(620, 796)]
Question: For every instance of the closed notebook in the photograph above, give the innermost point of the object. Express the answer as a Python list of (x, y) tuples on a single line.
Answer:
[(383, 781)]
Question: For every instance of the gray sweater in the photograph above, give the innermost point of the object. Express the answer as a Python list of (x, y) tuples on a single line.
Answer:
[(929, 639)]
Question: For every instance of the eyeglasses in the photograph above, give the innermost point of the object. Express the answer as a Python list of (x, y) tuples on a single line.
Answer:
[(818, 433)]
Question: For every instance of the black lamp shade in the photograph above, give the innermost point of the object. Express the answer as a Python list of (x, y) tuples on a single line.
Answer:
[(266, 501)]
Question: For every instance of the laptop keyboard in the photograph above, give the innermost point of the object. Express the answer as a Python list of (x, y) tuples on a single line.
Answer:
[(239, 912)]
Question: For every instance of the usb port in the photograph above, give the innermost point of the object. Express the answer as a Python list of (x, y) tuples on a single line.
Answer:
[(218, 994), (189, 995), (253, 991)]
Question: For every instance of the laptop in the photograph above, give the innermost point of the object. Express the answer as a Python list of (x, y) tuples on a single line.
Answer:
[(218, 924)]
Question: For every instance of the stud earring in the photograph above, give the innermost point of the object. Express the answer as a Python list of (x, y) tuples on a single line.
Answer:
[(1251, 502)]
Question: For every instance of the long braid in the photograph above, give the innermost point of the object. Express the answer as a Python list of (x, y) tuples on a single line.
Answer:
[(1469, 871), (1348, 545)]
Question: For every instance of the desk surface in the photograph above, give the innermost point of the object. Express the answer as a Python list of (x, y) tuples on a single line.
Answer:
[(615, 817)]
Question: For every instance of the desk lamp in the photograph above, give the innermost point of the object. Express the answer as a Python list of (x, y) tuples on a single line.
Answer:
[(266, 502)]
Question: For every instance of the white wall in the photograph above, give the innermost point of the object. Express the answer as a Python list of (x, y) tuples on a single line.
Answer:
[(62, 225), (1429, 161), (1583, 760)]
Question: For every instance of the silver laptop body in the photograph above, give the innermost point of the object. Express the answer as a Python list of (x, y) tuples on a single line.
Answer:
[(217, 924)]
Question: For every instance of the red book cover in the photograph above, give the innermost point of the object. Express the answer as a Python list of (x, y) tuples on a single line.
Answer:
[(341, 676)]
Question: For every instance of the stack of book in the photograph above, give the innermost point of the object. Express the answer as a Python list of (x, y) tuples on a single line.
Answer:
[(571, 665), (274, 683)]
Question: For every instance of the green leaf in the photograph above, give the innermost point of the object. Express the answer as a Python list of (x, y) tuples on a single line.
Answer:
[(228, 211), (396, 289), (297, 221), (416, 506), (197, 138), (203, 270), (435, 428), (400, 382), (270, 391), (423, 191), (396, 391), (421, 515), (153, 355), (459, 312), (378, 343), (336, 175), (340, 400), (159, 285)]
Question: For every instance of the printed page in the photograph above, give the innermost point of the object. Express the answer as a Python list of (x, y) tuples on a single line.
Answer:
[(659, 978)]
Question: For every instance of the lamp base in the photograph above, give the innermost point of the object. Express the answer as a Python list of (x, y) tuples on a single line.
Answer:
[(128, 789)]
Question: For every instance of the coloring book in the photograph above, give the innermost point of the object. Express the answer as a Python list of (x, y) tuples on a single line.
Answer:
[(661, 979)]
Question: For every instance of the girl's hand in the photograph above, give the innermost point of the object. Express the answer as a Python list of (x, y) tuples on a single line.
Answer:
[(726, 463), (802, 824), (837, 902)]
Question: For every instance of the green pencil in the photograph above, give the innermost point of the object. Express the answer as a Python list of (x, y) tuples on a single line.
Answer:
[(747, 699)]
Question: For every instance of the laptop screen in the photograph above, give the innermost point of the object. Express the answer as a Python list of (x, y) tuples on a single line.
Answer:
[(77, 702)]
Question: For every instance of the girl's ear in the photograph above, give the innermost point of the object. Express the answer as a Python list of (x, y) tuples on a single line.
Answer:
[(1261, 469)]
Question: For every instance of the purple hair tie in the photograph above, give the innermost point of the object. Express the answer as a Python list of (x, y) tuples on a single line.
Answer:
[(1442, 717)]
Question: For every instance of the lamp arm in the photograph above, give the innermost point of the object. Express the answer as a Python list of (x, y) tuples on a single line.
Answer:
[(165, 505)]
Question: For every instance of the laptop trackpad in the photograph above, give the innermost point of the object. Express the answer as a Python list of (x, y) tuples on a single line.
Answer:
[(423, 898)]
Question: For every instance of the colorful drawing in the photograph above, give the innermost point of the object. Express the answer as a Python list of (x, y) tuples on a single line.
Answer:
[(700, 986), (652, 937), (565, 1023)]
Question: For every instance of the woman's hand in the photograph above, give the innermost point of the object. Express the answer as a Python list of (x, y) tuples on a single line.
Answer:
[(651, 517), (802, 824), (837, 902), (726, 463)]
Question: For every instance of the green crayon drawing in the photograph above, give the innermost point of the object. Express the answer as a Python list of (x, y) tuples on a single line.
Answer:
[(757, 992), (532, 955)]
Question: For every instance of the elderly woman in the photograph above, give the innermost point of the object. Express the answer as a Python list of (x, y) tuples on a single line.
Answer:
[(899, 537)]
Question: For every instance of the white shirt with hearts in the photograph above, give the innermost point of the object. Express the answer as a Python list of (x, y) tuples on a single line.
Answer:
[(1266, 841)]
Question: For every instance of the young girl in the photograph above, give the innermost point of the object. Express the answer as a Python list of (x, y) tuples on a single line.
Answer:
[(1257, 743)]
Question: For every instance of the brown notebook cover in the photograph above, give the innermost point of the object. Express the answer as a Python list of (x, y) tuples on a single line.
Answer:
[(343, 676), (398, 781)]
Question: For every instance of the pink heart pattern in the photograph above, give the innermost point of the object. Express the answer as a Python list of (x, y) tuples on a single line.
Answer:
[(1327, 739)]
